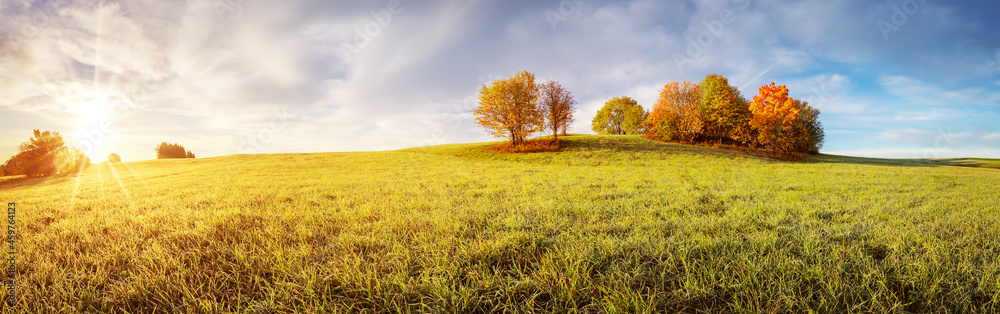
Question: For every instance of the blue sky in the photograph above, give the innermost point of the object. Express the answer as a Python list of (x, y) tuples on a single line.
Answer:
[(903, 79)]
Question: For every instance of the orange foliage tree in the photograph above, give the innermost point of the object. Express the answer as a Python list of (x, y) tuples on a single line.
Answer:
[(508, 108), (675, 115), (775, 118), (557, 105), (716, 111)]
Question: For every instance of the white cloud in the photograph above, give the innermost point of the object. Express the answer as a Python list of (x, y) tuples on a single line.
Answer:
[(209, 79), (916, 91), (924, 137), (831, 93), (991, 136), (908, 135)]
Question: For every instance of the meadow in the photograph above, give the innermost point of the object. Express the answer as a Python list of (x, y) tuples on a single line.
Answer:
[(615, 224)]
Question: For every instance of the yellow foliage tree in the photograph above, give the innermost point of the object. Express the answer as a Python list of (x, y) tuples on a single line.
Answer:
[(508, 108), (723, 111)]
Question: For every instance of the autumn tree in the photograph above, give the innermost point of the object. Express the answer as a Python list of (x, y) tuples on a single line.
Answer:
[(71, 160), (508, 108), (620, 115), (557, 105), (167, 150), (785, 124), (37, 156), (675, 117), (774, 114), (724, 112), (811, 127), (82, 160)]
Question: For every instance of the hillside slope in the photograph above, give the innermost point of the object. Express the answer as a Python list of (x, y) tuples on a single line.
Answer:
[(609, 223)]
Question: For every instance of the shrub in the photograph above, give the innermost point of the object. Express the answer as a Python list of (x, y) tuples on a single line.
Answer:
[(528, 146)]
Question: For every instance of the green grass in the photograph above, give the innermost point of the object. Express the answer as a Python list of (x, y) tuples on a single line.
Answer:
[(607, 224)]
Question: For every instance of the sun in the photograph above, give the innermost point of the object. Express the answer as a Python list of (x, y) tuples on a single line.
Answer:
[(94, 127)]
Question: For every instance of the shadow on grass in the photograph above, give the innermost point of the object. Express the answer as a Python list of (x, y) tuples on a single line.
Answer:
[(957, 162), (12, 182), (967, 162)]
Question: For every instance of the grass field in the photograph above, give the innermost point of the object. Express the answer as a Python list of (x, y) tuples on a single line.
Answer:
[(606, 224)]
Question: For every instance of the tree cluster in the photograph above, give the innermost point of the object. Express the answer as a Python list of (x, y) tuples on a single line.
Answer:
[(517, 107), (715, 111), (45, 154), (167, 150)]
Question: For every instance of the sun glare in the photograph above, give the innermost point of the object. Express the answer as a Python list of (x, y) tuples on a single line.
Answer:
[(94, 129)]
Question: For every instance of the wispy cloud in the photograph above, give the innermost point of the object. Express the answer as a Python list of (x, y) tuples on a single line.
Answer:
[(213, 77)]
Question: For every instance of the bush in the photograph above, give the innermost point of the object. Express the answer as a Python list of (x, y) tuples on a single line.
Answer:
[(71, 160), (528, 146)]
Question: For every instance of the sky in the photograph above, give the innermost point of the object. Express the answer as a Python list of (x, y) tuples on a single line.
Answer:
[(892, 78)]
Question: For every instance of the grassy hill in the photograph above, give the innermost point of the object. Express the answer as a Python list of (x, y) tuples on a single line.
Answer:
[(608, 224)]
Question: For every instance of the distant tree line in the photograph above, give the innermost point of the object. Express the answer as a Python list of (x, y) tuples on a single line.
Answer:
[(167, 150)]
